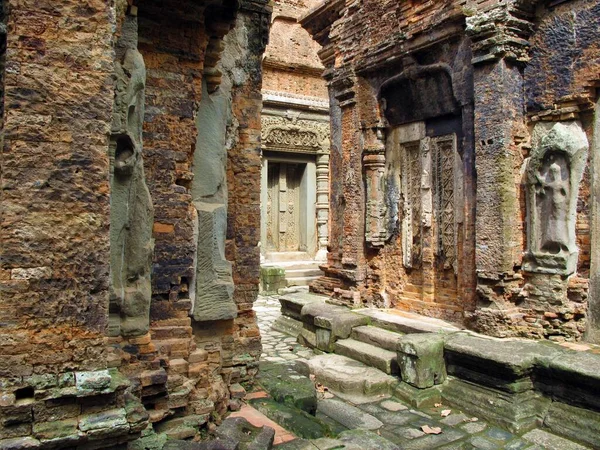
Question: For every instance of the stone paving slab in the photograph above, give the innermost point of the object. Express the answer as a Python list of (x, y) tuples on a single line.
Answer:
[(551, 441), (349, 416)]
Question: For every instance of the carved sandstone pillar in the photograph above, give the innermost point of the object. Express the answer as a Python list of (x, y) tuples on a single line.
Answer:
[(322, 205), (132, 212), (374, 166)]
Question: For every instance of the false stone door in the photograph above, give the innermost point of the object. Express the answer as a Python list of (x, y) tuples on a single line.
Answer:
[(284, 207)]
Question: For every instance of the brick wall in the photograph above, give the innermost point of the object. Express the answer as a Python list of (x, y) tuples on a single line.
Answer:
[(534, 71)]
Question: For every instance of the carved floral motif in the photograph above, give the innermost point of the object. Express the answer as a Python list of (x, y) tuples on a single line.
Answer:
[(294, 135)]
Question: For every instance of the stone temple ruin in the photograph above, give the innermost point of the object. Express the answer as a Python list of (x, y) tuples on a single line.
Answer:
[(429, 167)]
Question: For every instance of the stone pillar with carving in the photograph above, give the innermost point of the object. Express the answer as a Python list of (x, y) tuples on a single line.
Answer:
[(132, 212), (374, 166), (322, 203)]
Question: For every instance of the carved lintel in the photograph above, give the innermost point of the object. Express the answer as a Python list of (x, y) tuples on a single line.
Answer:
[(291, 134)]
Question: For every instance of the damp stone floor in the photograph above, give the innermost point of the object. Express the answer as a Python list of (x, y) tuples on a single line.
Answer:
[(385, 423)]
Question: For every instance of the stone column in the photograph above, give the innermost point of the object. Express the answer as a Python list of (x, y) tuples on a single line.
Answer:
[(593, 324), (322, 205), (498, 118), (350, 205), (374, 166)]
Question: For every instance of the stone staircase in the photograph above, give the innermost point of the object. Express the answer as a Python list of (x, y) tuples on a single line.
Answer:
[(366, 353), (372, 346), (300, 270)]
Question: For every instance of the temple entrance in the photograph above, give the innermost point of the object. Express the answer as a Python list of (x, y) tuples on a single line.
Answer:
[(284, 231), (289, 217)]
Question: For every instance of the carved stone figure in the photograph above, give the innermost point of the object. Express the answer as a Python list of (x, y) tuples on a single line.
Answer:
[(132, 214), (554, 171), (552, 198)]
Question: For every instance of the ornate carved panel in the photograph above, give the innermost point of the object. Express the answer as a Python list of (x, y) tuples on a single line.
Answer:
[(294, 135), (428, 187), (411, 186), (444, 160)]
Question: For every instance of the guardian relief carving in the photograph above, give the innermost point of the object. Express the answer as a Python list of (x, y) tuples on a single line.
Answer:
[(132, 214), (554, 171)]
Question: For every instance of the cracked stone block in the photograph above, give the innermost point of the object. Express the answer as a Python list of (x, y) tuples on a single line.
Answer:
[(214, 284), (92, 381), (421, 360)]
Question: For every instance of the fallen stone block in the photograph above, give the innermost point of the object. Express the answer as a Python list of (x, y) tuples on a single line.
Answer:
[(248, 436)]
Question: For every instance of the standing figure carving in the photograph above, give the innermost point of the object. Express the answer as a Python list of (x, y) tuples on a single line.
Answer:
[(132, 214), (552, 198), (554, 171)]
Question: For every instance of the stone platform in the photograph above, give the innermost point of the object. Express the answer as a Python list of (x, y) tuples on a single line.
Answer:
[(540, 390)]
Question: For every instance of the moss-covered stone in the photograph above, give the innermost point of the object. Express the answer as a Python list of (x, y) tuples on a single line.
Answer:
[(297, 421), (285, 385), (421, 359)]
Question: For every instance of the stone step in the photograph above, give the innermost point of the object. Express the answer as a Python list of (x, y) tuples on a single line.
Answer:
[(300, 281), (291, 304), (406, 322), (378, 337), (347, 377), (277, 257), (297, 273), (373, 356), (309, 264)]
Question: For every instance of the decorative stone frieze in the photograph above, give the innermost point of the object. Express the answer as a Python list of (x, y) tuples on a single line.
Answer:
[(290, 134)]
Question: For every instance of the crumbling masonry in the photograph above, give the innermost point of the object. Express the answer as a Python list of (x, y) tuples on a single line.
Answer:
[(463, 155), (130, 216)]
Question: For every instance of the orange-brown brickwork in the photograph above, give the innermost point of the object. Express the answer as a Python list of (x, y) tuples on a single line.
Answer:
[(100, 99), (503, 78)]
